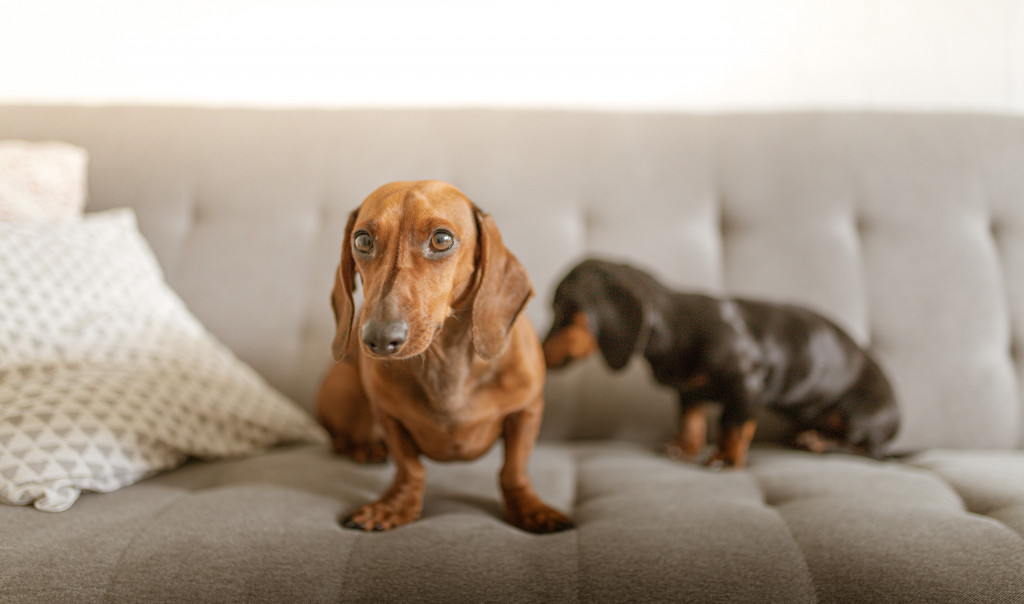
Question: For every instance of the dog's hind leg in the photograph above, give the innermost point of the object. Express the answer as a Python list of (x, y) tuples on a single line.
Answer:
[(344, 410)]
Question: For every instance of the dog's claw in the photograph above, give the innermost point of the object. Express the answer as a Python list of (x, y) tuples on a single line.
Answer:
[(540, 518), (564, 526), (719, 461), (349, 523)]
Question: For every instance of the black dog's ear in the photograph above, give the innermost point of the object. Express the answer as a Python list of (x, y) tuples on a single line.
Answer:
[(620, 320)]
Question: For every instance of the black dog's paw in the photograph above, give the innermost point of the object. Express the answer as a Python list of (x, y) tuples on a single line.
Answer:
[(678, 451), (814, 442)]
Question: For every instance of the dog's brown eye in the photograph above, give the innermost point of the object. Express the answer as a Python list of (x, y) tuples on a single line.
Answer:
[(442, 241), (363, 242)]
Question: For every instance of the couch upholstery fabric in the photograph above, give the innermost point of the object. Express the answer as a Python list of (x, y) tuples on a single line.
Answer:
[(794, 528), (907, 229)]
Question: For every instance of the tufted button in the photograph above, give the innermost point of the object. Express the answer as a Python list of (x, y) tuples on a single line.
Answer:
[(861, 224), (995, 227), (195, 210), (875, 340), (728, 224)]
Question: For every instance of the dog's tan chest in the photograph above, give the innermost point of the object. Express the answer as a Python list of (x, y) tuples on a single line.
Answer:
[(456, 441), (451, 416)]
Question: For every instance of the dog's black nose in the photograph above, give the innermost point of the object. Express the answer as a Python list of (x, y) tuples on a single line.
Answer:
[(385, 338)]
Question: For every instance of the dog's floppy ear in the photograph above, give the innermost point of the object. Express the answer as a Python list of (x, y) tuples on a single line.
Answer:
[(619, 318), (341, 295), (502, 289)]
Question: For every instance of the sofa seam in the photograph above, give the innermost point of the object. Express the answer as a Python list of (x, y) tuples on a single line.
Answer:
[(575, 514), (988, 516), (789, 531), (348, 564), (115, 575)]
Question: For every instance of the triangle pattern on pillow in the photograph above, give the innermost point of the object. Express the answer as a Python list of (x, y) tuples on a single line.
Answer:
[(105, 377)]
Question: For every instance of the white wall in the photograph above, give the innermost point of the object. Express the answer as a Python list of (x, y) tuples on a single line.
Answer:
[(625, 54)]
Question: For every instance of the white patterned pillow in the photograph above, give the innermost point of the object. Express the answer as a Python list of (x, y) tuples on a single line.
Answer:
[(41, 180), (105, 377)]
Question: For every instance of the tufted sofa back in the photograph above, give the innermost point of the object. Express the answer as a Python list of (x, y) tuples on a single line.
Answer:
[(906, 229)]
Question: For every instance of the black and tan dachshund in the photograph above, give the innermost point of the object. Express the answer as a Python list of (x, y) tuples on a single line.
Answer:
[(743, 354)]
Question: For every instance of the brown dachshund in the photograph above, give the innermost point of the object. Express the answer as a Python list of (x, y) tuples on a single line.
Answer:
[(443, 363)]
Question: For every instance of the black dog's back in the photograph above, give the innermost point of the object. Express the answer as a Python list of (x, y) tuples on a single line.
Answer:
[(815, 373)]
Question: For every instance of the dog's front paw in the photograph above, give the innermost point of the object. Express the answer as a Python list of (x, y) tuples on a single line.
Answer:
[(721, 460), (681, 451), (812, 441), (380, 516), (539, 517), (361, 451)]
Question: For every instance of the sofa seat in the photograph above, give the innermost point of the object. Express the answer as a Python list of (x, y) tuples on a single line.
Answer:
[(793, 527)]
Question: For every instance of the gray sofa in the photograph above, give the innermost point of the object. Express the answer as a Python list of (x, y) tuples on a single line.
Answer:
[(906, 229)]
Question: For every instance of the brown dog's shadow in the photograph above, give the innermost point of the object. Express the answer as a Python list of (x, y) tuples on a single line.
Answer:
[(440, 505)]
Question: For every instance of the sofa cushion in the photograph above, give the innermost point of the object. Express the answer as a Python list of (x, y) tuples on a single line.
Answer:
[(794, 527), (990, 483), (105, 377)]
